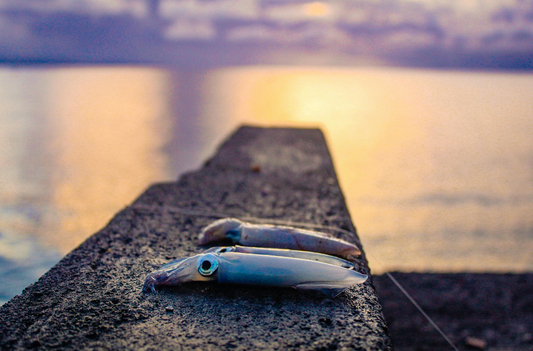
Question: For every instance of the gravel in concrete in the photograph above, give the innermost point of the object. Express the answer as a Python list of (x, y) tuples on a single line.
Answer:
[(92, 299)]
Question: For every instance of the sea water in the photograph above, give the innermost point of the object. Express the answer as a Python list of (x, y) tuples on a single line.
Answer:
[(436, 166)]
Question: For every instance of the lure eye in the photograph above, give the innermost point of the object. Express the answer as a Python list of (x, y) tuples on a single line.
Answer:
[(207, 265)]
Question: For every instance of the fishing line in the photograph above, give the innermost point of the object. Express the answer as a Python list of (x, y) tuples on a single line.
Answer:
[(430, 320), (304, 225)]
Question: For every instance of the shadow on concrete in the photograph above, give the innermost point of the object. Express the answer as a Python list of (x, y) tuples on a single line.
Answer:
[(494, 308)]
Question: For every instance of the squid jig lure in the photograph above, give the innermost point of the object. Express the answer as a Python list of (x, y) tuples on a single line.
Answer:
[(260, 266)]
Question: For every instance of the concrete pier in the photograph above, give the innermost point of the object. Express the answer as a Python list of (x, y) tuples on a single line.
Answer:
[(92, 298)]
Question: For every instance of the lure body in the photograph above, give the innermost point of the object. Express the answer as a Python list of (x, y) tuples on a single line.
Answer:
[(305, 255), (248, 234), (262, 267)]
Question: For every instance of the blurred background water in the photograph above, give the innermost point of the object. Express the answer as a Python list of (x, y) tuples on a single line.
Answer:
[(436, 166), (426, 106)]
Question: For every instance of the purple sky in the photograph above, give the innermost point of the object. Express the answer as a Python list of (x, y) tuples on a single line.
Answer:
[(460, 33)]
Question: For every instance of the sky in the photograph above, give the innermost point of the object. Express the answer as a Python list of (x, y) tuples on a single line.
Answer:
[(464, 33)]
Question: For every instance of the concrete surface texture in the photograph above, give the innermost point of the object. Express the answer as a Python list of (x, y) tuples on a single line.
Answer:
[(92, 298)]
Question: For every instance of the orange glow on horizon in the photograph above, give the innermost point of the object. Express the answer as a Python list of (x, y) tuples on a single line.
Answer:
[(429, 162), (362, 117), (403, 142), (109, 138)]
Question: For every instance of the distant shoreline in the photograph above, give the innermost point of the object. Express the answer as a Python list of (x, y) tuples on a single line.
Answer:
[(208, 55)]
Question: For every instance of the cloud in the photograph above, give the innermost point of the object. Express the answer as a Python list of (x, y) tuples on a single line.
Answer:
[(12, 30), (221, 9), (407, 39), (401, 30), (302, 12), (190, 29), (95, 7), (251, 33)]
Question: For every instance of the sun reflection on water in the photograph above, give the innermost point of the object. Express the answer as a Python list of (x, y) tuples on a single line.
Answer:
[(109, 131), (435, 166), (420, 155), (368, 123)]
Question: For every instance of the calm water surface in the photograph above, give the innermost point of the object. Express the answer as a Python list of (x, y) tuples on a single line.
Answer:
[(436, 166)]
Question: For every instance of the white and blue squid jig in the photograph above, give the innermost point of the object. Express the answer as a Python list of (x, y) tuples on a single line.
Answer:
[(260, 266)]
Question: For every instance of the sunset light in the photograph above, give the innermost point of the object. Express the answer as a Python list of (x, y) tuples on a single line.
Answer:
[(131, 129), (114, 139), (316, 9)]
